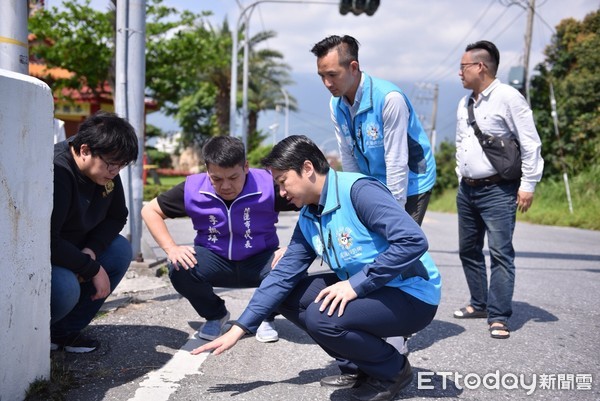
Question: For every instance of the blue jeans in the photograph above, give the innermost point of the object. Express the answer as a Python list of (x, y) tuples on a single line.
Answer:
[(71, 305), (196, 284), (356, 339), (490, 210)]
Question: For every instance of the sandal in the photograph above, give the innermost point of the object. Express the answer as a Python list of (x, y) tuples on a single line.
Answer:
[(464, 313), (499, 330)]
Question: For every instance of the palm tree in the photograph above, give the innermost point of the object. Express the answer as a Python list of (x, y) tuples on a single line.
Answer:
[(268, 75)]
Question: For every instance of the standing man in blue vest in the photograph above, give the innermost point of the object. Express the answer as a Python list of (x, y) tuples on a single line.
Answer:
[(378, 132), (382, 282), (234, 210)]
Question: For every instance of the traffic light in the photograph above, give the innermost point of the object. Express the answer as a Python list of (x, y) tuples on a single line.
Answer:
[(357, 7), (345, 6)]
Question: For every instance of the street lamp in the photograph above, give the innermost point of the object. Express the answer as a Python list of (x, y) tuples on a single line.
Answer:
[(287, 112), (273, 127), (245, 15)]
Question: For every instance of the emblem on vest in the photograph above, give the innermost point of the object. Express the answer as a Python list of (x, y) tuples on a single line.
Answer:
[(346, 243), (344, 239), (373, 131)]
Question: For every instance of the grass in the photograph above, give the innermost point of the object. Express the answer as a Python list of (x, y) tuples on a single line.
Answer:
[(152, 190), (171, 181), (61, 381), (550, 205)]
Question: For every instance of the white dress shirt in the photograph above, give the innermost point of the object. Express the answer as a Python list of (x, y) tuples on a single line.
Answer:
[(395, 140), (503, 112)]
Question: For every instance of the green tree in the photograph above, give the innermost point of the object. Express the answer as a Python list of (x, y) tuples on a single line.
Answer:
[(257, 154), (572, 66), (445, 159), (268, 75), (180, 54), (79, 39), (188, 62), (153, 131)]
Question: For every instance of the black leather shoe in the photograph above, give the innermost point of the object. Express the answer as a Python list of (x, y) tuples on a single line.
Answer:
[(384, 390), (345, 380)]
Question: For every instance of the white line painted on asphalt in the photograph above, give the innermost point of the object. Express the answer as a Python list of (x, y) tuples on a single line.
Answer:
[(160, 384)]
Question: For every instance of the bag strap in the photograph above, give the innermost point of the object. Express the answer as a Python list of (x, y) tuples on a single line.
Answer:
[(472, 121)]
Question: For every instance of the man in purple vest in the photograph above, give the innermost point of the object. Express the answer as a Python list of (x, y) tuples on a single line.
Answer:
[(234, 210)]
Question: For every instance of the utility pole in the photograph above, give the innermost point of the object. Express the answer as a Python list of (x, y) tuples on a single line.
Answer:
[(428, 92), (129, 104), (528, 36), (560, 148), (14, 48), (433, 134)]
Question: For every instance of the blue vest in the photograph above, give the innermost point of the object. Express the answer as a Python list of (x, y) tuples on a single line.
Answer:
[(346, 245), (244, 229), (364, 136)]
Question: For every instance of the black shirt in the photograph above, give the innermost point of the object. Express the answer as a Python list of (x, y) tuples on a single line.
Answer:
[(172, 202)]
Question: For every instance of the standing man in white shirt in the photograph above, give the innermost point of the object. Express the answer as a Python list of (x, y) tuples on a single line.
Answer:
[(487, 203)]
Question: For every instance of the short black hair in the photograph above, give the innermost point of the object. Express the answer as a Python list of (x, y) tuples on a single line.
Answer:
[(492, 60), (292, 152), (346, 46), (107, 134), (224, 151)]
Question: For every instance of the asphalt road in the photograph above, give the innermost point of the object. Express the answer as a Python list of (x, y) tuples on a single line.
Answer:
[(553, 353)]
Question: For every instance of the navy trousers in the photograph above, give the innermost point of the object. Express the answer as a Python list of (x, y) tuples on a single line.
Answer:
[(357, 338), (212, 270)]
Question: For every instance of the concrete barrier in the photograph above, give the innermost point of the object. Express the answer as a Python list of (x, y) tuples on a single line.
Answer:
[(26, 187)]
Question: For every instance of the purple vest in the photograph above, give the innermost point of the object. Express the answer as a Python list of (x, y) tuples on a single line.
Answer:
[(246, 228)]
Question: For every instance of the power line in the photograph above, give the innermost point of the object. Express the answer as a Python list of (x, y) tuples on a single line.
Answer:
[(431, 74), (442, 75)]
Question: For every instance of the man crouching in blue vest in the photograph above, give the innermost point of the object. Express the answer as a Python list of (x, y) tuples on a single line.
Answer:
[(384, 283)]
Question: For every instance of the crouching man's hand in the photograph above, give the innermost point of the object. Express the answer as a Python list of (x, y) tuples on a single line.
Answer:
[(223, 343)]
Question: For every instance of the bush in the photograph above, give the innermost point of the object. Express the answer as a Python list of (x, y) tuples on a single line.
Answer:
[(161, 159), (256, 155), (551, 206), (151, 191), (445, 160)]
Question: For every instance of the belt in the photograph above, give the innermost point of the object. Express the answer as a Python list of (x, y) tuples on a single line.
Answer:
[(481, 182)]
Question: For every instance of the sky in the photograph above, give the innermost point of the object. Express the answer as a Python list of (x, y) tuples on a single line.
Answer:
[(415, 44)]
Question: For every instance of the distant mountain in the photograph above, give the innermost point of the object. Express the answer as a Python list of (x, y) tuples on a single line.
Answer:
[(312, 118)]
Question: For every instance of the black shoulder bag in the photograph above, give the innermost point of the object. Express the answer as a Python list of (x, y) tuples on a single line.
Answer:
[(505, 155)]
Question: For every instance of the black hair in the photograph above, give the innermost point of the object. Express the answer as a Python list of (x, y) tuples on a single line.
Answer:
[(346, 46), (224, 151), (292, 152), (490, 55), (107, 134)]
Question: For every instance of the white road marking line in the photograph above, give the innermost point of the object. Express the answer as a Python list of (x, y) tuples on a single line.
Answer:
[(160, 384)]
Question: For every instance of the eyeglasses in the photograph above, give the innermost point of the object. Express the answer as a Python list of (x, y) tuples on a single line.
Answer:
[(465, 65), (114, 165)]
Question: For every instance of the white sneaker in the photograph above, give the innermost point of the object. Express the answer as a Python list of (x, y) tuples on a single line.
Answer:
[(212, 329), (266, 332), (400, 343)]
